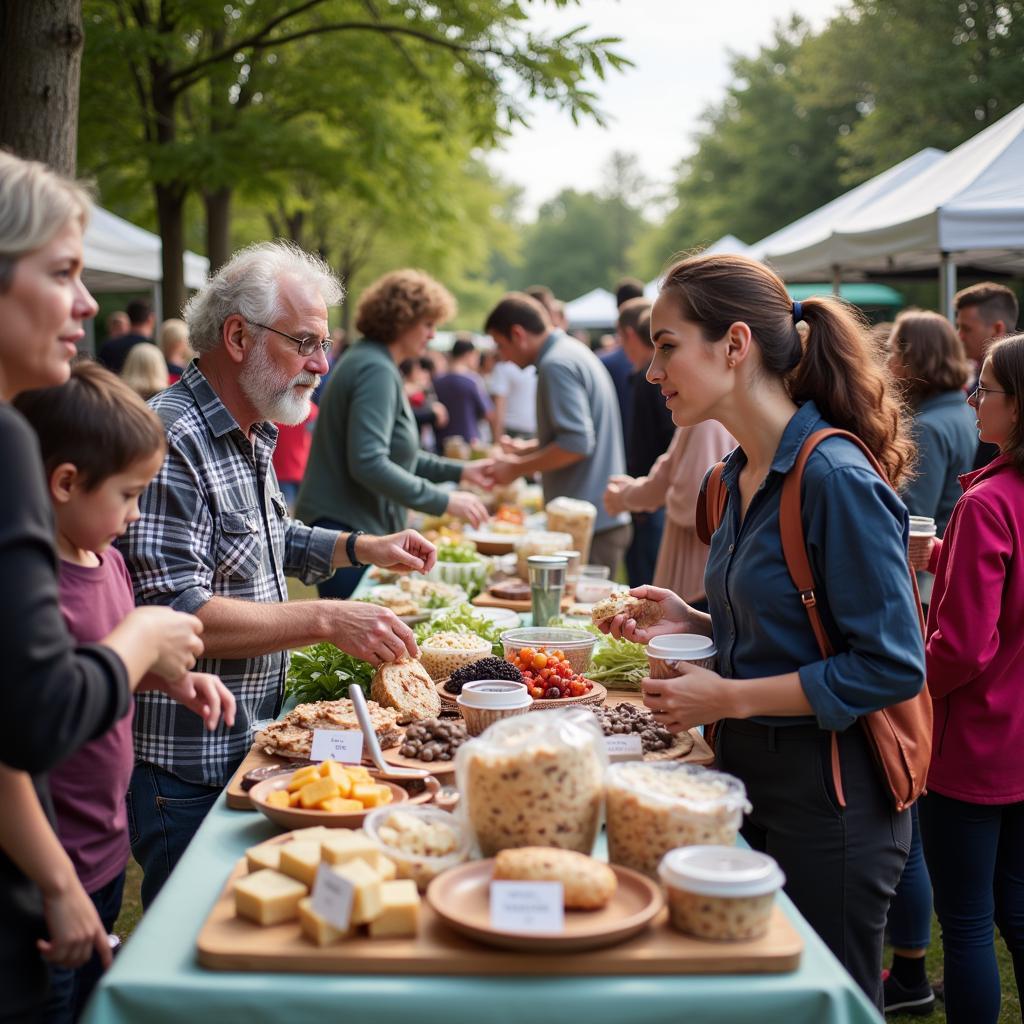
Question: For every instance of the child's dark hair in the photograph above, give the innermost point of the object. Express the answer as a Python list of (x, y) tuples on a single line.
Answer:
[(94, 421)]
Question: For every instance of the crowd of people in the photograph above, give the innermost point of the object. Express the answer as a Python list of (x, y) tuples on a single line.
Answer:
[(160, 497)]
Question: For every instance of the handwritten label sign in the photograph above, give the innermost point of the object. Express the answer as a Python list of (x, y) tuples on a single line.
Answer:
[(624, 747), (333, 897), (337, 745), (537, 908)]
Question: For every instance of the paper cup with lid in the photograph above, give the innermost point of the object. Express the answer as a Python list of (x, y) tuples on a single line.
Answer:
[(664, 653), (486, 701), (922, 530), (720, 892), (653, 807)]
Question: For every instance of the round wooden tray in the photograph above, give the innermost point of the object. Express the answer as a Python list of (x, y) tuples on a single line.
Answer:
[(461, 898), (596, 696)]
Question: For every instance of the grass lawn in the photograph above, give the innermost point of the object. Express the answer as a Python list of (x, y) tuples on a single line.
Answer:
[(131, 911)]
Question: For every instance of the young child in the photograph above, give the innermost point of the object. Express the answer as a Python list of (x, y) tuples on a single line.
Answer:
[(101, 445)]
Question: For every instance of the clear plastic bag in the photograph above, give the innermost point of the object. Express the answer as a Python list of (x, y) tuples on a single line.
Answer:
[(538, 542), (654, 808), (576, 518), (534, 780)]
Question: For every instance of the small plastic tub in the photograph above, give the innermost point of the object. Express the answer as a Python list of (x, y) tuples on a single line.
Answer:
[(416, 846), (486, 701), (664, 653), (442, 653), (720, 892), (576, 644), (590, 590), (654, 807)]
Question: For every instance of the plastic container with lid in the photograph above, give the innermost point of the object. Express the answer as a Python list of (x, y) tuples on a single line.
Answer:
[(720, 892), (538, 542), (534, 780), (422, 842), (654, 807), (575, 517), (576, 644), (665, 652), (486, 701)]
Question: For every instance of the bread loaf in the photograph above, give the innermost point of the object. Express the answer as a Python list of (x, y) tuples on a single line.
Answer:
[(587, 883), (407, 687)]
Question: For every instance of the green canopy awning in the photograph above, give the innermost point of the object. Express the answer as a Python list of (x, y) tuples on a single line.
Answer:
[(864, 294)]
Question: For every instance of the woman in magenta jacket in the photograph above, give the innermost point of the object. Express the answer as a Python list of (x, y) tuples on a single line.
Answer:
[(972, 819)]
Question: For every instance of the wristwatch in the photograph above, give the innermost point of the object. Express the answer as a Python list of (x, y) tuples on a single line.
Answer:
[(350, 549)]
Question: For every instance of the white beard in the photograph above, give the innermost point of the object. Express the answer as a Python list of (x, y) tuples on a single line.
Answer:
[(275, 398)]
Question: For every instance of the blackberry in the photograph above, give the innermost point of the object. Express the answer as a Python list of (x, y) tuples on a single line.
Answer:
[(485, 668)]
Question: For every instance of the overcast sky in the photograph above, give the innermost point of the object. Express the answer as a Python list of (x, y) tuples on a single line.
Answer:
[(680, 49)]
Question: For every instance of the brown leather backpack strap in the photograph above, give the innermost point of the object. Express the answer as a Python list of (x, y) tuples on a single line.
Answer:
[(711, 503), (794, 550)]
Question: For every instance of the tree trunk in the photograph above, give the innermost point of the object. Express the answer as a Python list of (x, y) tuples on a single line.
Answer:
[(170, 212), (40, 62), (218, 227)]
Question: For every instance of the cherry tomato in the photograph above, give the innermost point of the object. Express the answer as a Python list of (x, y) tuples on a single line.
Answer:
[(565, 670), (536, 692), (526, 653), (540, 660), (577, 688), (558, 655)]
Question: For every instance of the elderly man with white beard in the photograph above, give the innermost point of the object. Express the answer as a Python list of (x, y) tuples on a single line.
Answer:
[(215, 538)]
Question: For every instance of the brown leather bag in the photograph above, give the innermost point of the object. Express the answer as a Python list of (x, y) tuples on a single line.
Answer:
[(901, 734)]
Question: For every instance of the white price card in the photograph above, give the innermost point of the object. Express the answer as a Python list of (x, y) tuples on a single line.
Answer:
[(333, 897), (337, 745), (537, 908), (624, 746)]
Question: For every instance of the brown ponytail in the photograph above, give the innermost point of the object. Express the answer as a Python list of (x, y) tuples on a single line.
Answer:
[(835, 366)]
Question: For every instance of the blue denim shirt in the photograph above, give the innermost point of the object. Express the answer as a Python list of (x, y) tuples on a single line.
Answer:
[(856, 532)]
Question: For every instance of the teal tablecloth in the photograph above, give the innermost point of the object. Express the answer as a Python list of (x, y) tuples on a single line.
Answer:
[(155, 979)]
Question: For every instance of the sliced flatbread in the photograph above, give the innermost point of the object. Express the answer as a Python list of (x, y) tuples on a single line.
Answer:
[(646, 613), (292, 735), (406, 687)]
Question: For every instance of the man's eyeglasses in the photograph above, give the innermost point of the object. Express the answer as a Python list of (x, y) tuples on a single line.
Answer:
[(981, 390), (307, 346)]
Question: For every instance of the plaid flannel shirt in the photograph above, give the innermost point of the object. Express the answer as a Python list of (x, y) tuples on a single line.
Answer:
[(214, 523)]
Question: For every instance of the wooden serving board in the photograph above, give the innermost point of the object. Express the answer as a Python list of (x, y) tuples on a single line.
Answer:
[(228, 943), (485, 600)]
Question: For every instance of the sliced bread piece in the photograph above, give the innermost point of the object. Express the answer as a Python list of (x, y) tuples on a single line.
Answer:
[(407, 687), (646, 613)]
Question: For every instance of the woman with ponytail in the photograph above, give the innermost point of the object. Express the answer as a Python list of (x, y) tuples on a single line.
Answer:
[(728, 348)]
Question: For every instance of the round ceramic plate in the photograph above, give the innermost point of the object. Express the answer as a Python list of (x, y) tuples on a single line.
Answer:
[(492, 543), (461, 898), (297, 817)]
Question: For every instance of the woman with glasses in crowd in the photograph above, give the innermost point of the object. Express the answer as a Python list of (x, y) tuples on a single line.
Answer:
[(972, 818), (366, 467)]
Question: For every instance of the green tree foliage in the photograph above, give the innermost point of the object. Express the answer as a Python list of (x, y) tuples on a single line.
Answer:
[(922, 73), (763, 155), (812, 115), (582, 240), (203, 97)]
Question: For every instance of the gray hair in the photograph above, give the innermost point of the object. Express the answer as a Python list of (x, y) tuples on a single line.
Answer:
[(247, 285), (35, 204)]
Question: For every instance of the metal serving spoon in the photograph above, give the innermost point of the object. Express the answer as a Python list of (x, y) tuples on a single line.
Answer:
[(387, 771)]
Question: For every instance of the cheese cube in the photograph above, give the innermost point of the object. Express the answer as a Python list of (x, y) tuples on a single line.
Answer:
[(339, 805), (316, 833), (313, 792), (317, 928), (263, 856), (400, 911), (366, 900), (279, 798), (369, 794), (385, 867), (324, 767), (344, 846), (339, 776), (300, 860), (302, 776), (294, 798), (268, 897), (359, 773)]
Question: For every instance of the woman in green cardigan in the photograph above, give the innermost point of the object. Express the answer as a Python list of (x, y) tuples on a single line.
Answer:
[(366, 467)]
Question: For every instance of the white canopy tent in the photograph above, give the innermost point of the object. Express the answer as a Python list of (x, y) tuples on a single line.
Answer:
[(122, 257), (594, 311), (966, 209), (726, 244)]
